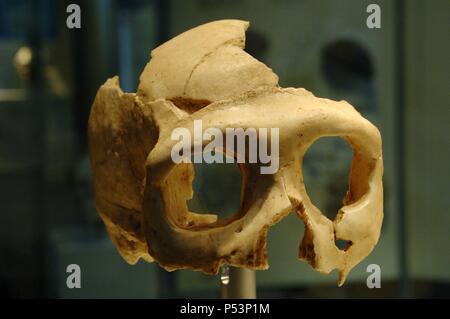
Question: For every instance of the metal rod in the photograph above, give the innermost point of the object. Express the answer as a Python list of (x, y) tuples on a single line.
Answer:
[(237, 283)]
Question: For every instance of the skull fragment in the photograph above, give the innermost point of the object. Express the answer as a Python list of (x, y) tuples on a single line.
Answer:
[(204, 74)]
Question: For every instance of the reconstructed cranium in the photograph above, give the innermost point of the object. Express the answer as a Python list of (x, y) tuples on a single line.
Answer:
[(204, 74)]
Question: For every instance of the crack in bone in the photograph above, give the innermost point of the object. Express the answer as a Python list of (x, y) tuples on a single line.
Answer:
[(235, 42)]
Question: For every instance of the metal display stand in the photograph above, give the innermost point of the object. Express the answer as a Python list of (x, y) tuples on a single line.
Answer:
[(237, 283)]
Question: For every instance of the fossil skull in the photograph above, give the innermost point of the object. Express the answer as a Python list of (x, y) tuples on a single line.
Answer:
[(204, 74)]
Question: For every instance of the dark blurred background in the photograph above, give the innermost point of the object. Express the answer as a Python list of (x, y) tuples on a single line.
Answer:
[(396, 76)]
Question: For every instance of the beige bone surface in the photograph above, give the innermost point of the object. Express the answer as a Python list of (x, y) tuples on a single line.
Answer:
[(204, 74)]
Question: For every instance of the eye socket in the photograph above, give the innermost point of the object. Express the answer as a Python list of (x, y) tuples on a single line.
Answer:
[(326, 167), (217, 189)]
